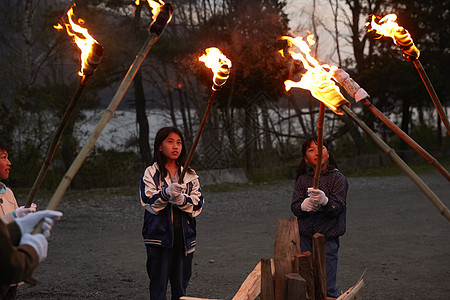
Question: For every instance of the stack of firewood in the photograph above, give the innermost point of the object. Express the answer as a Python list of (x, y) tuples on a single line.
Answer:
[(291, 274)]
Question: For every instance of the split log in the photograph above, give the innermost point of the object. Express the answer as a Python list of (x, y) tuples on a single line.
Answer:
[(353, 293), (319, 263), (267, 279), (287, 245), (251, 287), (295, 287), (303, 265)]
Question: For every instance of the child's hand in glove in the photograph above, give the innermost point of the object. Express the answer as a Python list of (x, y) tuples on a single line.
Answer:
[(318, 196)]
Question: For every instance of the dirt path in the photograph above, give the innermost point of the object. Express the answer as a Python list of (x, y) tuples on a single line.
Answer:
[(393, 232)]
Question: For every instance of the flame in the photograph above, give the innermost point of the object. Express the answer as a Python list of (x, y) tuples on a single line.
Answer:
[(155, 7), (219, 64), (81, 37), (318, 78), (401, 37)]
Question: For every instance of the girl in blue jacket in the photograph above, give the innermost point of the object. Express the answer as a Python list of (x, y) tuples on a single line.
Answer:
[(170, 209), (320, 210)]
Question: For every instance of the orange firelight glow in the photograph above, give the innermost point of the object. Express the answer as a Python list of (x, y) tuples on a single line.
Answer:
[(155, 6), (81, 37), (218, 63), (387, 26), (318, 78)]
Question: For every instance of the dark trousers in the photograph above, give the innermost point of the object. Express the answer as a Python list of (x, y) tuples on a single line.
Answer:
[(331, 256), (164, 264)]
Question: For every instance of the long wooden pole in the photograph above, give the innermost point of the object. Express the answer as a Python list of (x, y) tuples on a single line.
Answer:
[(197, 137), (92, 62), (56, 138), (319, 145), (407, 139), (432, 93), (354, 90), (155, 31), (394, 156)]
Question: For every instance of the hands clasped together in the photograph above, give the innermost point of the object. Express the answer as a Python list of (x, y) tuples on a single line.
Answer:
[(316, 199), (175, 191)]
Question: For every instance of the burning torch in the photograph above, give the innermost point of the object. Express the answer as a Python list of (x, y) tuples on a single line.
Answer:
[(336, 101), (91, 54), (162, 14), (387, 26), (318, 80), (359, 94), (221, 67)]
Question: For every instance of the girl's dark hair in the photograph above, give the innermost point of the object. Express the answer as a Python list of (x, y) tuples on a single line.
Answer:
[(2, 146), (159, 157), (302, 166)]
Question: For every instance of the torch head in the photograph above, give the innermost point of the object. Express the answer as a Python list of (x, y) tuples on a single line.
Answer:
[(93, 59), (405, 43), (221, 76), (387, 26), (164, 16)]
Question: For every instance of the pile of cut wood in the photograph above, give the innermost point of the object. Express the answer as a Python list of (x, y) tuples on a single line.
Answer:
[(291, 274)]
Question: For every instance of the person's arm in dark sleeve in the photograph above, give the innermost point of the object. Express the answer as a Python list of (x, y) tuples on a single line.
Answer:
[(17, 262)]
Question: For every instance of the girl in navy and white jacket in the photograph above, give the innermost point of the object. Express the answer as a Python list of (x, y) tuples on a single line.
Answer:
[(169, 229)]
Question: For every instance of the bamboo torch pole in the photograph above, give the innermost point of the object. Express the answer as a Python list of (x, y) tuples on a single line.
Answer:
[(319, 145), (155, 31), (354, 90), (394, 156), (92, 63), (434, 97), (221, 67), (388, 27), (197, 137)]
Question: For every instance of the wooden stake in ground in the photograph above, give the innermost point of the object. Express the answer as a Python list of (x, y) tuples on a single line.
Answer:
[(287, 245), (319, 263), (267, 279), (304, 267)]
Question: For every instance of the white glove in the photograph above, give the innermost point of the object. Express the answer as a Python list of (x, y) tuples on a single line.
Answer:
[(29, 222), (308, 205), (175, 192), (318, 196), (38, 242), (175, 189), (23, 211), (178, 200)]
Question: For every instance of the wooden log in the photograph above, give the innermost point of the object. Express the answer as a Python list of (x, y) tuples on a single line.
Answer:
[(319, 263), (287, 245), (295, 287), (251, 287), (303, 265), (267, 279), (353, 293)]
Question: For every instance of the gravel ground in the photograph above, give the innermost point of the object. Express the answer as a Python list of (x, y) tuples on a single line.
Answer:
[(394, 234)]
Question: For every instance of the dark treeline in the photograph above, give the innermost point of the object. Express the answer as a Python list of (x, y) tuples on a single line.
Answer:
[(255, 124)]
